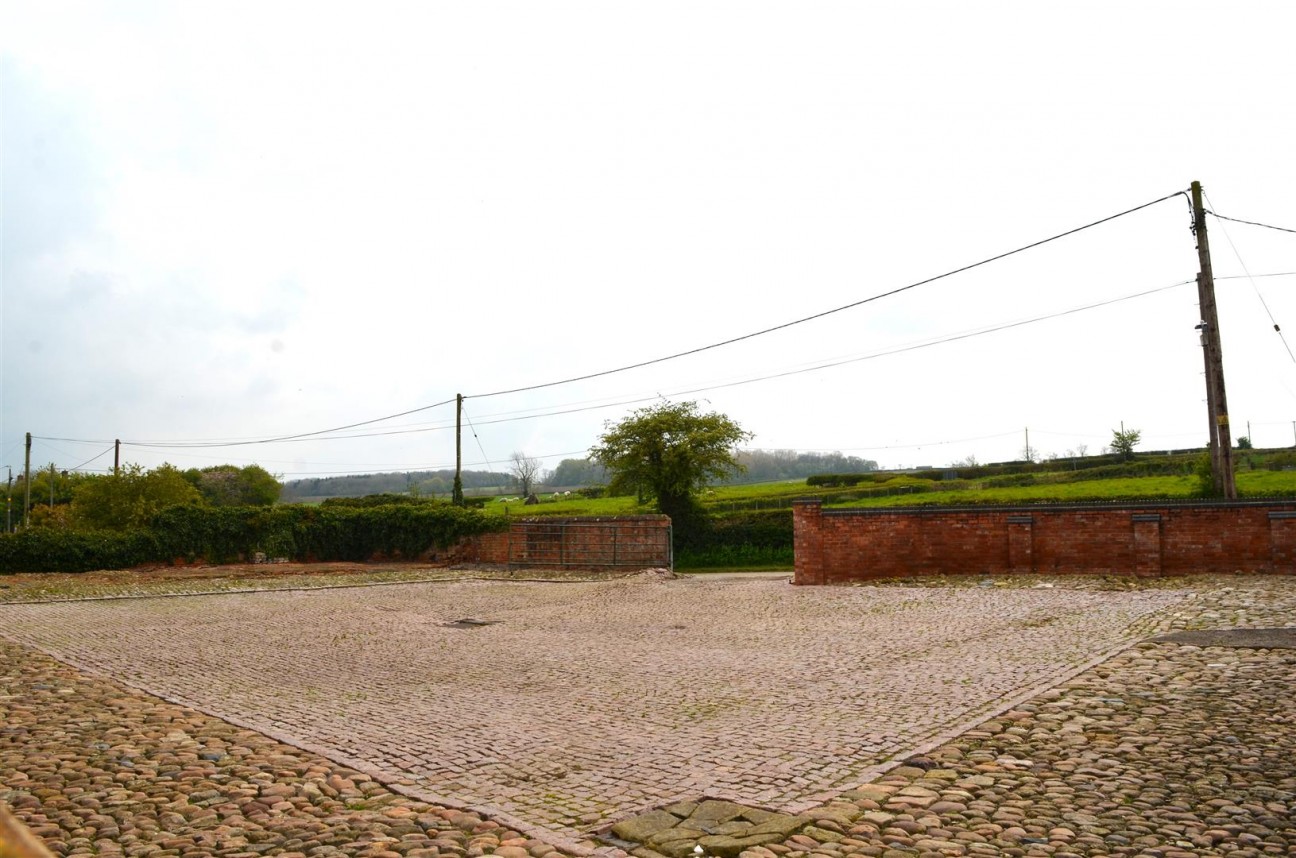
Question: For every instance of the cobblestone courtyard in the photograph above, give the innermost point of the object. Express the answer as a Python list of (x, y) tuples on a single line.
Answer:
[(582, 702)]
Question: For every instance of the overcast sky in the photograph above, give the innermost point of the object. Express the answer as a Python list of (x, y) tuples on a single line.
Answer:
[(245, 220)]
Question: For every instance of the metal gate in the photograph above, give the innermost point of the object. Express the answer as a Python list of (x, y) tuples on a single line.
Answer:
[(590, 545)]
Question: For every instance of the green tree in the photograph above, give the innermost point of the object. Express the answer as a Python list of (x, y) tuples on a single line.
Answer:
[(1124, 441), (230, 485), (64, 484), (577, 472), (668, 452), (130, 498), (1244, 443)]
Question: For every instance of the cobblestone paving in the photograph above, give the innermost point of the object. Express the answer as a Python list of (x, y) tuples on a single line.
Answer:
[(588, 701), (210, 580)]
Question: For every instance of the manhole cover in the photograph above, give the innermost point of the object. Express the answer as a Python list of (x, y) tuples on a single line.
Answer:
[(1241, 638), (470, 623)]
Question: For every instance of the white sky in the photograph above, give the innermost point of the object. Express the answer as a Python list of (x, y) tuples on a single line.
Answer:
[(245, 220)]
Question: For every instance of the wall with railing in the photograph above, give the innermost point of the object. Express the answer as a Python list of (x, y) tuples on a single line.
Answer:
[(577, 542)]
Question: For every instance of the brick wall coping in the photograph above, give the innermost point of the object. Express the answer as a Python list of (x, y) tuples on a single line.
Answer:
[(587, 519), (936, 509)]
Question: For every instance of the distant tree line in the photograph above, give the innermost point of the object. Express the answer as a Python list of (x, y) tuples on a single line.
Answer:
[(762, 466), (767, 466), (417, 483)]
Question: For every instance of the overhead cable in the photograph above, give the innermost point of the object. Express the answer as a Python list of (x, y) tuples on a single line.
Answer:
[(821, 315), (1249, 222), (296, 437), (512, 417), (477, 438), (320, 432), (1256, 287), (673, 357), (92, 458)]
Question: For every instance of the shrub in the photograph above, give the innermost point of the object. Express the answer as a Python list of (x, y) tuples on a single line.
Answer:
[(1010, 480), (230, 534), (52, 550), (1280, 461), (837, 480)]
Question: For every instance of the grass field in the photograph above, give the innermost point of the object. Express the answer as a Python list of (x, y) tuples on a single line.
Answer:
[(906, 490)]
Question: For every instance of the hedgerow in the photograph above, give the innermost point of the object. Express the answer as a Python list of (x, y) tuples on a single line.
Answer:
[(58, 550), (232, 534)]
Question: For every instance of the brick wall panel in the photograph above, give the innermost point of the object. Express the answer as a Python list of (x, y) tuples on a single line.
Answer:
[(839, 546)]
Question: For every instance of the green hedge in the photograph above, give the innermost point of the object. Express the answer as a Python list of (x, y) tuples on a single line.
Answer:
[(388, 499), (55, 550), (835, 480), (233, 534), (744, 539)]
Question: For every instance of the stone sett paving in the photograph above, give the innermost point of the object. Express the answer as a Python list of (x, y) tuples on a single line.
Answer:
[(585, 702), (1163, 751)]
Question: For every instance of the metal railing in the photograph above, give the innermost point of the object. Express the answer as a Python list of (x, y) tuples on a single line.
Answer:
[(590, 545)]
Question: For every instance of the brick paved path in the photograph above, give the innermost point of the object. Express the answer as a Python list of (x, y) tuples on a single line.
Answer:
[(588, 701)]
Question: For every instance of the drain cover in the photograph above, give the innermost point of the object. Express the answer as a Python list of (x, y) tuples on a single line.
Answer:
[(470, 623), (1239, 638)]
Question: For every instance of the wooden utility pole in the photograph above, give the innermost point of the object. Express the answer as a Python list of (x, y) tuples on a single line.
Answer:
[(116, 457), (1221, 440), (27, 481), (457, 497)]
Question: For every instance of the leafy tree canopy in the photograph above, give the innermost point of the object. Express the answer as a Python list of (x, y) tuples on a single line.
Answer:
[(668, 452), (1124, 441), (230, 485), (577, 472), (131, 498)]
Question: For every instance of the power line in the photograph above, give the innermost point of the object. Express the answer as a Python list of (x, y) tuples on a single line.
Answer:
[(473, 429), (91, 459), (1248, 222), (821, 315), (1263, 302), (299, 436), (940, 341), (816, 367), (504, 417), (447, 466), (320, 432)]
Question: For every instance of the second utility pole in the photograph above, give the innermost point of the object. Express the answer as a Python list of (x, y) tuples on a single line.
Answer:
[(1221, 440), (456, 496)]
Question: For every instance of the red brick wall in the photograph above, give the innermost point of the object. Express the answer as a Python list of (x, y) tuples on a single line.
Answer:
[(585, 542), (836, 546)]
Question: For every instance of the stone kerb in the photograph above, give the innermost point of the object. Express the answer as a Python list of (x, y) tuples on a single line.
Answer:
[(16, 841)]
